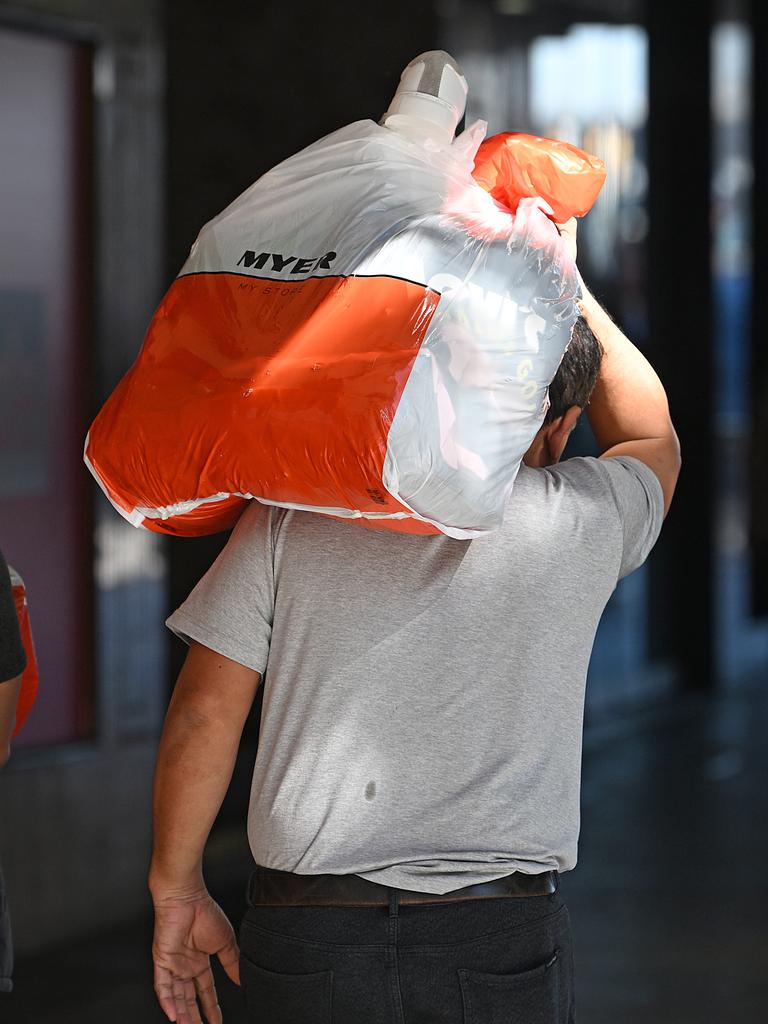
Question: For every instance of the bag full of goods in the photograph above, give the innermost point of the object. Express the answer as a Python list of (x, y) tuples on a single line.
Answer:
[(368, 331)]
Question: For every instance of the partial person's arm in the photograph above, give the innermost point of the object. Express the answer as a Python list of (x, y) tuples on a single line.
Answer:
[(9, 695), (195, 762), (628, 410)]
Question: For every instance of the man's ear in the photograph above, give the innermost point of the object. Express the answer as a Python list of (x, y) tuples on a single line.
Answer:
[(559, 431)]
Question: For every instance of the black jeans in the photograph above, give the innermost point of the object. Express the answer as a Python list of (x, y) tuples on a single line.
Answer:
[(485, 961)]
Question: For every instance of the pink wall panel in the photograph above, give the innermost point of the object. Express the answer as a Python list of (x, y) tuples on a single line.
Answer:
[(43, 498)]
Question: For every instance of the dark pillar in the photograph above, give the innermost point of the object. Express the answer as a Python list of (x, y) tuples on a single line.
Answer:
[(680, 317), (758, 463)]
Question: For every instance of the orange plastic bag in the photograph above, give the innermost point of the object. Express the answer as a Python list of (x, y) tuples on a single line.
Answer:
[(513, 166), (30, 676), (363, 333)]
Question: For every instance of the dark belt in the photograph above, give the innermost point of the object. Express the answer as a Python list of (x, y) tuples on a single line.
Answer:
[(270, 887)]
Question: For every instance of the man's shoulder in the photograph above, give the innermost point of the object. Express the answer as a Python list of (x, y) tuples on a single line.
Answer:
[(620, 490), (578, 478), (591, 477)]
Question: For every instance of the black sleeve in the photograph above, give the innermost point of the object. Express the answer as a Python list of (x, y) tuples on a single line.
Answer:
[(13, 659)]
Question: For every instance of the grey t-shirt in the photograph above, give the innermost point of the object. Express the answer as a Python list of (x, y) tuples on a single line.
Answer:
[(422, 715)]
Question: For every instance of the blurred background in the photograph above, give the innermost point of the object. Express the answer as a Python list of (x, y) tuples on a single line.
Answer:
[(124, 126)]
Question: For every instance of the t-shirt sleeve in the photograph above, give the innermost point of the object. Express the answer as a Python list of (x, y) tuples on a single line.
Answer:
[(13, 659), (231, 608), (639, 500)]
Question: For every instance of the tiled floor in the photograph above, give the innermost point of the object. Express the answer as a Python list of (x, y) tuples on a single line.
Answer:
[(669, 901)]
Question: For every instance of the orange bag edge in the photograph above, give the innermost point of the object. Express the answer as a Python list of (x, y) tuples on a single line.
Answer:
[(515, 165), (30, 676)]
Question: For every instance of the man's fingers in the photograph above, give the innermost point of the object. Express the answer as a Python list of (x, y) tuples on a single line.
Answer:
[(229, 958), (186, 1002), (164, 992), (206, 993), (190, 994), (179, 1003), (568, 230), (179, 998)]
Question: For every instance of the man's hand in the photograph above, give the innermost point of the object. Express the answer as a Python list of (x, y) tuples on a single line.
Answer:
[(568, 234), (194, 766), (189, 930)]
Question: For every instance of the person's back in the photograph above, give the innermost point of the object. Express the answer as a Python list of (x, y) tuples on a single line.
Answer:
[(422, 715), (419, 753)]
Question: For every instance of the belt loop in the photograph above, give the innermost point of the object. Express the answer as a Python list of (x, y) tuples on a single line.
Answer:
[(553, 896), (249, 888), (394, 896)]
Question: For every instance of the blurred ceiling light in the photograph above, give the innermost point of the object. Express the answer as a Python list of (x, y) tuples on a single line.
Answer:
[(594, 73), (513, 6), (731, 72)]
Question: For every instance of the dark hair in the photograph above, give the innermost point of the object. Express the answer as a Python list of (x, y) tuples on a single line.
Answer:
[(577, 373)]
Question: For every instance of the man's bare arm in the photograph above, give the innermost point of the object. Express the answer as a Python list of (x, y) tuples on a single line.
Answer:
[(194, 767), (628, 410), (9, 695), (195, 762)]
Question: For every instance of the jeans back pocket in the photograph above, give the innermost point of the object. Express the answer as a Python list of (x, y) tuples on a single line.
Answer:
[(527, 997), (273, 998)]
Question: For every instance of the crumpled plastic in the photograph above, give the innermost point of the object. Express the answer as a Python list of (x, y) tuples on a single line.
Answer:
[(30, 676), (366, 332), (513, 165)]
